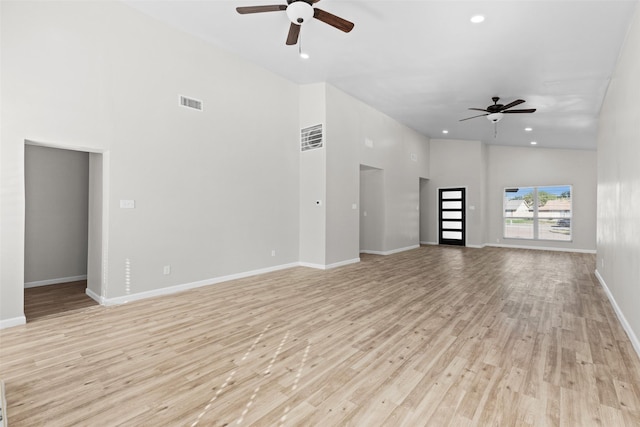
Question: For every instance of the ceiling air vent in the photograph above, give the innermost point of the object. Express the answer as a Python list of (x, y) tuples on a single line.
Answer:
[(311, 138), (191, 103)]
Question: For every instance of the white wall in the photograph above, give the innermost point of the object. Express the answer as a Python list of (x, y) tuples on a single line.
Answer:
[(618, 237), (399, 151), (56, 215), (313, 179), (524, 166), (485, 170), (329, 233), (456, 163), (215, 191)]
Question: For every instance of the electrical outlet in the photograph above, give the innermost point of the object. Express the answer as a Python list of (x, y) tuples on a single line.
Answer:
[(166, 270), (273, 252)]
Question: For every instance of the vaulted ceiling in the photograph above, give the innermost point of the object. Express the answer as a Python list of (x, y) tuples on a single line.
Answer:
[(424, 63)]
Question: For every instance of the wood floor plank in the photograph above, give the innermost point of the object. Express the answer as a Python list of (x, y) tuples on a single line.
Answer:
[(433, 336)]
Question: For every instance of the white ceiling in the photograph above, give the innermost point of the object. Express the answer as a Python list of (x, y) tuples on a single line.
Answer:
[(424, 63)]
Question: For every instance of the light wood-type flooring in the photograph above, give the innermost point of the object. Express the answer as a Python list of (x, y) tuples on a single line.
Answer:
[(433, 336)]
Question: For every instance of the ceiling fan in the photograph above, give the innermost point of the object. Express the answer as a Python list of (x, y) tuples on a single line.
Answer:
[(300, 11), (495, 112)]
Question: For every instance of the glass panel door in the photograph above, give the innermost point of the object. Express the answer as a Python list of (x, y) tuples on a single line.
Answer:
[(451, 218)]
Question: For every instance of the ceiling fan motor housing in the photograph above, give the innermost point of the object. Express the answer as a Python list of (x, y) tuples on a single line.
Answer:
[(495, 107), (299, 11)]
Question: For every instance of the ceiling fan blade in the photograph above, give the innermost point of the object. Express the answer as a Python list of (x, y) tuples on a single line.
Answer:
[(294, 32), (479, 109), (315, 1), (333, 20), (258, 9), (468, 118), (512, 104), (529, 110)]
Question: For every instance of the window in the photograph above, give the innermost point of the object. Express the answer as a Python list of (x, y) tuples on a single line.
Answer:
[(538, 213)]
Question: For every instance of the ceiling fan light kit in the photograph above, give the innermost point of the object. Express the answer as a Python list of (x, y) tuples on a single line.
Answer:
[(495, 117), (298, 12)]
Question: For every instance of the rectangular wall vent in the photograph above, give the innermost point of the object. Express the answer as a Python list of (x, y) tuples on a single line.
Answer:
[(311, 138), (190, 103)]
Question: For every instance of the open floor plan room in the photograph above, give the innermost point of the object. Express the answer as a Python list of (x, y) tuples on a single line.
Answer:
[(432, 336)]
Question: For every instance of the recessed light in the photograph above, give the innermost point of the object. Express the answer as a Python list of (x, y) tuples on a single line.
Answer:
[(477, 19), (534, 143), (445, 131), (528, 129), (304, 55)]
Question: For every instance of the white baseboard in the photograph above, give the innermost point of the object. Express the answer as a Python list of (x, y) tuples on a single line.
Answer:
[(15, 321), (476, 246), (342, 263), (329, 266), (312, 265), (54, 281), (102, 300), (428, 243), (623, 320), (97, 298), (183, 287), (391, 252), (541, 248)]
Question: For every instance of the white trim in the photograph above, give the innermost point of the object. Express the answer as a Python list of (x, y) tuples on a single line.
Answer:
[(625, 325), (428, 243), (97, 298), (476, 246), (54, 281), (183, 287), (64, 146), (391, 252), (312, 265), (329, 266), (342, 263), (14, 321), (366, 251), (542, 248)]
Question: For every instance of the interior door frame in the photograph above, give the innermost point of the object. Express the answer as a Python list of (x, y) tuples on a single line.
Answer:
[(98, 244), (463, 209)]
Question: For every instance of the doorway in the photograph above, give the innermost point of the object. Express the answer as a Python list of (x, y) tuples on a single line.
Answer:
[(372, 208), (423, 208), (451, 216), (64, 222)]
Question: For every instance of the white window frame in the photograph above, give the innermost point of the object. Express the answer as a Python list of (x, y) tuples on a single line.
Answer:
[(536, 214)]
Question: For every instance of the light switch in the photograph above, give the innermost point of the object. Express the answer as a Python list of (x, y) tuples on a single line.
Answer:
[(127, 204)]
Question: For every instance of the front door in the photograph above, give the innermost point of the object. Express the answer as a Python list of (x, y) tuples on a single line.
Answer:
[(451, 218)]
